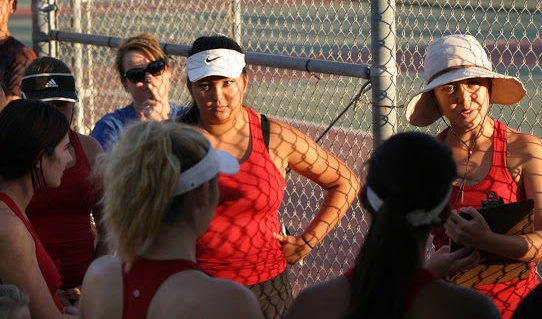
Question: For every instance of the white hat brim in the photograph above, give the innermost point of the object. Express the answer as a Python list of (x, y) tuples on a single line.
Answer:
[(214, 162), (215, 62), (421, 109), (227, 163)]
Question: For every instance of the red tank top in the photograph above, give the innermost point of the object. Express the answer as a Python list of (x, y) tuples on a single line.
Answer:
[(420, 278), (239, 244), (141, 282), (61, 218), (498, 184), (47, 267)]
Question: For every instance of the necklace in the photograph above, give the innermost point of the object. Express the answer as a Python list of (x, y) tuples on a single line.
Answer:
[(470, 149)]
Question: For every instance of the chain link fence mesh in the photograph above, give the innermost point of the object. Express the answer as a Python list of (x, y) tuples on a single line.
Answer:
[(324, 29)]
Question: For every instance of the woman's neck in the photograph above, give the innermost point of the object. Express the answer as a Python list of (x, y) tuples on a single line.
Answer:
[(172, 242), (19, 190), (224, 130), (4, 32), (471, 139)]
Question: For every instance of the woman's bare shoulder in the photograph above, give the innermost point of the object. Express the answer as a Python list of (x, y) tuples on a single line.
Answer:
[(101, 293), (524, 153), (286, 138), (444, 300), (519, 142), (328, 299), (281, 129), (17, 248), (204, 297), (13, 230), (91, 147), (103, 271)]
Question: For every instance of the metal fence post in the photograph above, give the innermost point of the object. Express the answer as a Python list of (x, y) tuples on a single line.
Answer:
[(78, 65), (383, 69), (43, 21), (89, 75), (39, 28), (236, 25)]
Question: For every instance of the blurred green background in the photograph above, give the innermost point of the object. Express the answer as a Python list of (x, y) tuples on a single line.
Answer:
[(20, 23)]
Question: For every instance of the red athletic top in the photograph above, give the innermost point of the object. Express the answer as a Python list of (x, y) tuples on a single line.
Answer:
[(497, 184), (47, 267), (61, 218), (239, 244), (141, 282), (420, 278)]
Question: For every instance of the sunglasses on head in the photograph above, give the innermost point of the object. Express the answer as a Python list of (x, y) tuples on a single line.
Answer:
[(137, 75)]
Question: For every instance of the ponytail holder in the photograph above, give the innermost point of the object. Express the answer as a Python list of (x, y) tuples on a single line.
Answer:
[(307, 242), (373, 199), (417, 217)]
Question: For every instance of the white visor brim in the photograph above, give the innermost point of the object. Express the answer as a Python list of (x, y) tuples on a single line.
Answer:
[(218, 62), (214, 162)]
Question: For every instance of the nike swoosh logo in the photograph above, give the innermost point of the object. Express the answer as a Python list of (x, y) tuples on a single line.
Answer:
[(211, 60)]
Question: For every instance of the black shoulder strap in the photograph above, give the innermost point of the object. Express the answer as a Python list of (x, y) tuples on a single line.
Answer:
[(265, 130)]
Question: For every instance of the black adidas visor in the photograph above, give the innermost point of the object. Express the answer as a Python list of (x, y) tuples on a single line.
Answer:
[(49, 87)]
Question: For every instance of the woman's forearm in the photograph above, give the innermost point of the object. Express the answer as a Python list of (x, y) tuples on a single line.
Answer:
[(526, 247), (334, 207)]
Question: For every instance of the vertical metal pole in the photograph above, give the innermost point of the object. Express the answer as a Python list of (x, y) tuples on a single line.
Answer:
[(383, 69), (78, 65), (39, 28), (236, 25), (43, 21), (90, 106), (51, 13)]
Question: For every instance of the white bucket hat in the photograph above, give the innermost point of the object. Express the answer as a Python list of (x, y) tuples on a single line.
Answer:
[(454, 58)]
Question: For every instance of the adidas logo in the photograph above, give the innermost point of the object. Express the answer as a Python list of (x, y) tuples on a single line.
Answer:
[(51, 84)]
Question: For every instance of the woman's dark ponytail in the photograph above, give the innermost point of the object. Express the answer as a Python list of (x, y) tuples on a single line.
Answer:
[(385, 263), (409, 172)]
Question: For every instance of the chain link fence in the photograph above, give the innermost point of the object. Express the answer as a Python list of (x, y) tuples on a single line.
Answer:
[(322, 29)]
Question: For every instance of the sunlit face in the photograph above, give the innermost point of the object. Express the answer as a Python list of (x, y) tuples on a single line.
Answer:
[(153, 87), (219, 98), (464, 103), (53, 166)]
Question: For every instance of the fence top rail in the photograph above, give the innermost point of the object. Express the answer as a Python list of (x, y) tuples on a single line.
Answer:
[(253, 58)]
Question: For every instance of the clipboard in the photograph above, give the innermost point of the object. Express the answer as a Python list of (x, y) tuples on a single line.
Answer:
[(507, 219)]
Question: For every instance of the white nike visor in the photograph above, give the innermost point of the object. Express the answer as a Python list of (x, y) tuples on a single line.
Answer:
[(218, 62)]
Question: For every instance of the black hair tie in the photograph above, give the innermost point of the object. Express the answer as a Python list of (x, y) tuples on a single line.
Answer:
[(307, 242)]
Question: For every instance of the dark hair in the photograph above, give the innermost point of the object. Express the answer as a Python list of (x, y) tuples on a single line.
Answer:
[(28, 130), (409, 171), (530, 306), (202, 44), (46, 65), (216, 41), (3, 95)]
